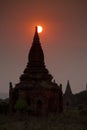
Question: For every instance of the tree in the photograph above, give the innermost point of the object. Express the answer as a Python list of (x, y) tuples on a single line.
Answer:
[(21, 105)]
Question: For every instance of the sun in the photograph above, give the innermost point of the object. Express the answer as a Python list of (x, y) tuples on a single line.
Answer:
[(39, 29)]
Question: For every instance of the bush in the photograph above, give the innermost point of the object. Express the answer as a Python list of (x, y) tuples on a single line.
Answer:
[(83, 112), (4, 107), (21, 105)]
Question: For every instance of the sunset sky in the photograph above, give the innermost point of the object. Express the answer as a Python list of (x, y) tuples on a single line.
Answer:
[(64, 39)]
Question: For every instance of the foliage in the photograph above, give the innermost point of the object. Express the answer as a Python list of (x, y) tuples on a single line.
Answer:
[(68, 120), (83, 112), (21, 105), (4, 106)]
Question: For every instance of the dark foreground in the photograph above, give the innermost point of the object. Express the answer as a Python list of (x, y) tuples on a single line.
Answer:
[(71, 119)]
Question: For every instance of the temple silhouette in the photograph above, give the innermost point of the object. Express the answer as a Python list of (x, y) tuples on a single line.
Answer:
[(36, 85), (74, 100), (68, 96)]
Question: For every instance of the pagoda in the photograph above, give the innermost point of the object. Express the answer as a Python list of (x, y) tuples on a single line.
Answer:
[(68, 96), (68, 90), (36, 85)]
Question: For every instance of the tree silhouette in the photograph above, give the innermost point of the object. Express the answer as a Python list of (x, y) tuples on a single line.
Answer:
[(21, 105)]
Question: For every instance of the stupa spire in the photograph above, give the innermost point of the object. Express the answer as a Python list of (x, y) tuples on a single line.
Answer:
[(36, 38), (36, 55), (36, 29), (68, 90)]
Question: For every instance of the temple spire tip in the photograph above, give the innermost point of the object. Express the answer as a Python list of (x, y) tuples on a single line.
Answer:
[(36, 29)]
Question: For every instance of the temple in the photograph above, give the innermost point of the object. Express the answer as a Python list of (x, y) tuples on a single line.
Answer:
[(68, 90), (36, 85), (68, 96)]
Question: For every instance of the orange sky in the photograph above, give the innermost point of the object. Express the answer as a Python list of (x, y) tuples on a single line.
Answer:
[(64, 39)]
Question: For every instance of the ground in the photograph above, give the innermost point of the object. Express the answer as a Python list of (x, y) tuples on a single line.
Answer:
[(70, 119)]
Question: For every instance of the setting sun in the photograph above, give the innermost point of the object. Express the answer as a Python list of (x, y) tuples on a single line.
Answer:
[(39, 29)]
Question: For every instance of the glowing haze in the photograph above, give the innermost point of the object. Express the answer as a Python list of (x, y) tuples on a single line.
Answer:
[(64, 39)]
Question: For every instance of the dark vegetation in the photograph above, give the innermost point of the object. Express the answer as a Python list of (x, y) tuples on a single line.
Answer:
[(4, 106), (70, 119), (81, 97)]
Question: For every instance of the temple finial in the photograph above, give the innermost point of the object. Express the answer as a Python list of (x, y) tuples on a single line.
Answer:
[(36, 36), (36, 31)]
